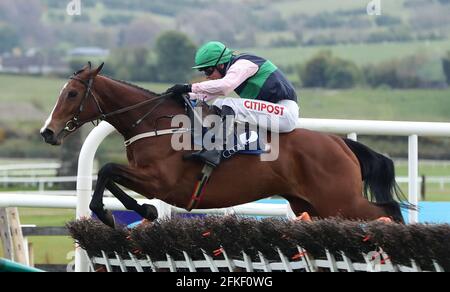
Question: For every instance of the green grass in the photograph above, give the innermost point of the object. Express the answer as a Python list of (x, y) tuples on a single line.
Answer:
[(46, 217), (52, 249), (380, 104), (359, 103), (433, 193), (42, 91), (359, 53), (48, 249), (425, 168), (433, 190), (364, 54)]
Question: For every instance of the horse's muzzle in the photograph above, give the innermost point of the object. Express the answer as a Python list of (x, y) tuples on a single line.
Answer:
[(49, 137)]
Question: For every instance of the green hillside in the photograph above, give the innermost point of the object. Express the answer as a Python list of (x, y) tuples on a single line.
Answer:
[(359, 103), (42, 91), (361, 54)]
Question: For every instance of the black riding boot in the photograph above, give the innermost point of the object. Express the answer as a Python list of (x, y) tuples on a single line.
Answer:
[(214, 157)]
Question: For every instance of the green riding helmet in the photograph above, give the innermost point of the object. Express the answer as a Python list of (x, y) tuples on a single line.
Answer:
[(212, 54)]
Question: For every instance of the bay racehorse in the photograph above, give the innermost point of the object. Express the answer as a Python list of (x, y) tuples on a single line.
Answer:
[(318, 173)]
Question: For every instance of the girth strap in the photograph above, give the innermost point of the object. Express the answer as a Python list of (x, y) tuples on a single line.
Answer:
[(200, 187)]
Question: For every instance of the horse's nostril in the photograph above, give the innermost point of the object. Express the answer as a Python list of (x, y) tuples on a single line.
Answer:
[(47, 134)]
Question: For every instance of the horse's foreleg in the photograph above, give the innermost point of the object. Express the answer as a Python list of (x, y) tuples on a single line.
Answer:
[(146, 211), (96, 204), (107, 177)]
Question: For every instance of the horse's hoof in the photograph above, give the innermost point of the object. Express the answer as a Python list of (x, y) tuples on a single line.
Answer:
[(304, 217), (150, 212), (384, 220), (107, 218)]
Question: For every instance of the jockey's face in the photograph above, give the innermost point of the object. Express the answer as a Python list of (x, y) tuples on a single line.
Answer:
[(212, 73)]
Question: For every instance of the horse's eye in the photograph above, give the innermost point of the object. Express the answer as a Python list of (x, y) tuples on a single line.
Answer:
[(72, 94)]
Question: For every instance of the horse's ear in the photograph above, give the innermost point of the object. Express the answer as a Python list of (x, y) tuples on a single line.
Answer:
[(99, 69), (90, 65)]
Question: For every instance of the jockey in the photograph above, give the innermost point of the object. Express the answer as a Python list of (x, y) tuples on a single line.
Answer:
[(264, 90)]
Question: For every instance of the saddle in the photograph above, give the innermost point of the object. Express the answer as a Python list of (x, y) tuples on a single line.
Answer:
[(246, 134)]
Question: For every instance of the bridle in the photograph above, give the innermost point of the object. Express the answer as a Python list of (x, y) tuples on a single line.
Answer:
[(75, 123)]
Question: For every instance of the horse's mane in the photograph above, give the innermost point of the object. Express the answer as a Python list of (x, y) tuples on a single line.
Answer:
[(123, 82), (78, 72), (133, 85)]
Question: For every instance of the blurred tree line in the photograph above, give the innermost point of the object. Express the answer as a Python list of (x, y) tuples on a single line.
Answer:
[(172, 56), (446, 66), (9, 38), (328, 71), (325, 70), (169, 60), (141, 53), (245, 24)]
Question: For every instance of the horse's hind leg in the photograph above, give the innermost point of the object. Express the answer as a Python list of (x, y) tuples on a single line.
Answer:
[(349, 207), (298, 206), (107, 177)]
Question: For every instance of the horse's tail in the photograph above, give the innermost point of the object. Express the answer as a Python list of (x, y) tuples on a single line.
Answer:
[(378, 174)]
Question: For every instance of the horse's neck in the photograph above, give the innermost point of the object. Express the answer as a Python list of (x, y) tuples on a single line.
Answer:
[(114, 95)]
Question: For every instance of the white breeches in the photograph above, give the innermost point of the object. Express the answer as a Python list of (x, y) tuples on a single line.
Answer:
[(278, 117)]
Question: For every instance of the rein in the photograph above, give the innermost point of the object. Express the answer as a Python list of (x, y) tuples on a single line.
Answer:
[(75, 122)]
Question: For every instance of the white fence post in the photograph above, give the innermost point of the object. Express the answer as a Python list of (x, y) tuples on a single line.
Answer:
[(413, 170), (84, 182)]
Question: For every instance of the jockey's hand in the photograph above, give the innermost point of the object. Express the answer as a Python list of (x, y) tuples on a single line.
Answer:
[(179, 89)]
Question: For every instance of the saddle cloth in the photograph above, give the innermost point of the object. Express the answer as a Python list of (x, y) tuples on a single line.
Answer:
[(248, 136)]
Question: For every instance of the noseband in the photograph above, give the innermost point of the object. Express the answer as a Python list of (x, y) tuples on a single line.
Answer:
[(75, 123)]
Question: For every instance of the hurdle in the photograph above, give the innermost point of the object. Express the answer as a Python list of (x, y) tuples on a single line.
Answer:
[(216, 244)]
